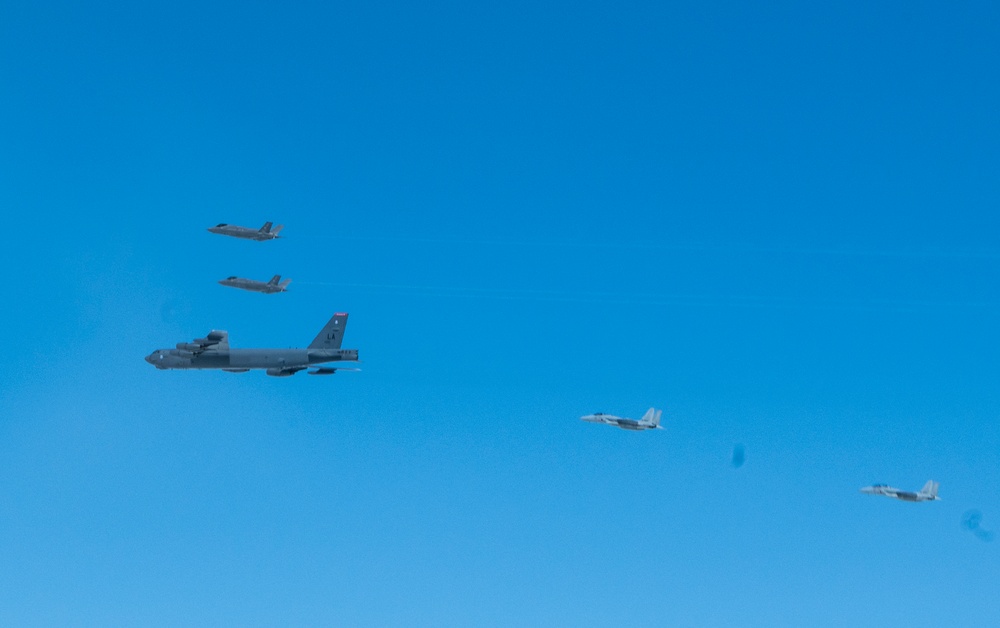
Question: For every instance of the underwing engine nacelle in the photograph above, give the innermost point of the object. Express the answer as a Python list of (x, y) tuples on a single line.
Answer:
[(330, 370), (323, 371)]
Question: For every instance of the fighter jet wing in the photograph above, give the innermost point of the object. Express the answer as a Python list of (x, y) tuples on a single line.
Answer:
[(214, 340)]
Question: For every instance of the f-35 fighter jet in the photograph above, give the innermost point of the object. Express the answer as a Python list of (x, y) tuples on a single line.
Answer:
[(213, 352), (649, 421), (927, 494), (269, 287), (264, 233)]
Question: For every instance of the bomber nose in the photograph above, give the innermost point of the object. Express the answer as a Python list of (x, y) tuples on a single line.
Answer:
[(151, 358)]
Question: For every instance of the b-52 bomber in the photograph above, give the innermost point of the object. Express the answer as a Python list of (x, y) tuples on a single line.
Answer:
[(264, 233), (213, 352), (928, 493), (267, 287), (649, 421)]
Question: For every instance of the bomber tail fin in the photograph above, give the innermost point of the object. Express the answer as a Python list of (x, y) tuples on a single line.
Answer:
[(332, 333)]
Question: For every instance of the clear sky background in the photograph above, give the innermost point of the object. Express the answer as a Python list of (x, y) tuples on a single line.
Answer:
[(778, 223)]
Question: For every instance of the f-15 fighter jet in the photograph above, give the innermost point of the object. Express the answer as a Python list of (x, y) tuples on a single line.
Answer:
[(269, 287), (927, 494), (264, 233), (213, 352), (649, 421)]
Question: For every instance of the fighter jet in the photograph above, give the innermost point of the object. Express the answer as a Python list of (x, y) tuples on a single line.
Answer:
[(253, 285), (213, 352), (927, 494), (649, 421), (264, 233)]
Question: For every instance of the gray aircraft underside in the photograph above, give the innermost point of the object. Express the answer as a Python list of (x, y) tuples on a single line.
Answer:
[(266, 287), (213, 352), (927, 494), (649, 421), (235, 231)]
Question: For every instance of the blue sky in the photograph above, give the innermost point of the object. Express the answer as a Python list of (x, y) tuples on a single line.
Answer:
[(778, 223)]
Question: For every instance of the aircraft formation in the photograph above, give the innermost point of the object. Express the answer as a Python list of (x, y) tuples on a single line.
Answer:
[(266, 232), (213, 352)]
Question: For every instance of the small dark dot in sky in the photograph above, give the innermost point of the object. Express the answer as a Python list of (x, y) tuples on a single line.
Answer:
[(738, 456), (970, 521)]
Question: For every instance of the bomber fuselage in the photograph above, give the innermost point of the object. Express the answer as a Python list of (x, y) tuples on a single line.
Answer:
[(239, 359)]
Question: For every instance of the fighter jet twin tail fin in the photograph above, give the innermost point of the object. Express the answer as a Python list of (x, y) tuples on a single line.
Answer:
[(930, 489), (267, 228), (274, 281), (652, 419)]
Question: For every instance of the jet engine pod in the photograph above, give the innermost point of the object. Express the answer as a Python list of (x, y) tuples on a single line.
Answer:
[(279, 372), (187, 355), (188, 346), (323, 371)]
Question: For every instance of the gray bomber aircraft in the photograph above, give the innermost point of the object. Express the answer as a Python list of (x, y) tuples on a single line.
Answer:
[(213, 352), (927, 494), (649, 421), (267, 287), (264, 233)]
